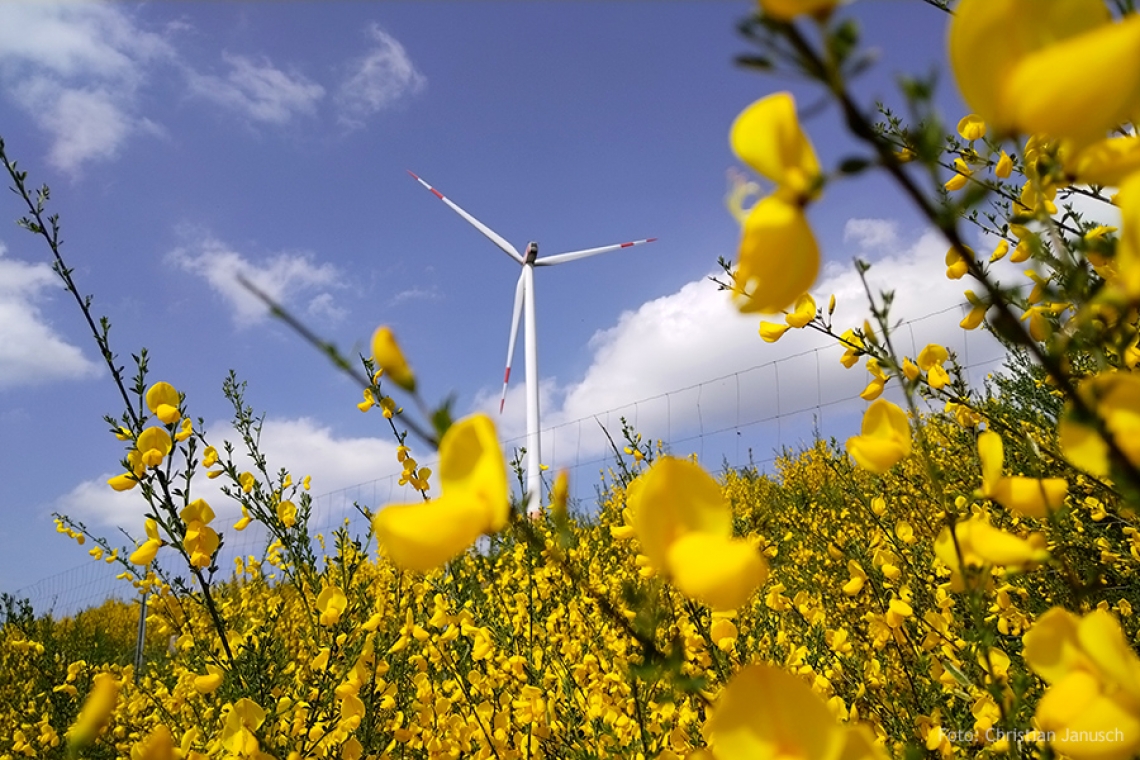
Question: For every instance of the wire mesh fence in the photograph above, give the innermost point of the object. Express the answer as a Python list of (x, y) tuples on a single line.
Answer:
[(742, 419)]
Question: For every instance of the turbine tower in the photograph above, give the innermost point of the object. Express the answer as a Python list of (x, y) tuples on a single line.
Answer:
[(524, 304)]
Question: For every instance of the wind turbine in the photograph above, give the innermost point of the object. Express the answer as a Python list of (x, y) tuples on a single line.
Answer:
[(524, 303)]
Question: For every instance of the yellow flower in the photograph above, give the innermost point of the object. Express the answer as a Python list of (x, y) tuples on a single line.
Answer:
[(560, 495), (242, 719), (803, 312), (146, 551), (684, 525), (852, 348), (972, 127), (210, 682), (1013, 61), (287, 513), (473, 481), (983, 545), (1004, 166), (786, 10), (387, 354), (124, 482), (1108, 161), (200, 542), (885, 438), (878, 382), (368, 402), (766, 713), (96, 710), (158, 745), (1127, 261), (209, 457), (1116, 397), (331, 604), (198, 510), (956, 264), (959, 180), (185, 431), (153, 445), (978, 309), (910, 369), (767, 136), (779, 257), (245, 520), (162, 399), (1092, 706), (1000, 251), (930, 360), (1027, 496), (770, 332), (247, 481)]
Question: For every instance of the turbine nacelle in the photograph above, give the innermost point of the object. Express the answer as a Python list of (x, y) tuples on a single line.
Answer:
[(531, 252)]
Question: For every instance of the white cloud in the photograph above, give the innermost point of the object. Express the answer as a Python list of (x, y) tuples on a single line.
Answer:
[(260, 92), (31, 352), (658, 366), (869, 234), (285, 277), (377, 80), (415, 294), (301, 446), (76, 68)]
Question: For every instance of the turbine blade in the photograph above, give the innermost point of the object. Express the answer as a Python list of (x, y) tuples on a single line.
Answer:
[(495, 237), (520, 290), (560, 258)]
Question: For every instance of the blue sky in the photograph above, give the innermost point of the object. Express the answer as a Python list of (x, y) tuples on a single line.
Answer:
[(185, 142)]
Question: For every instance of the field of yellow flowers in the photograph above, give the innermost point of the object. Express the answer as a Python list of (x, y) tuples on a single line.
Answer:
[(950, 583)]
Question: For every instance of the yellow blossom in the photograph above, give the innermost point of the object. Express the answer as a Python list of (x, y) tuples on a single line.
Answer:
[(96, 710), (803, 312), (388, 355), (1027, 83), (778, 259), (163, 400), (767, 136), (1004, 166), (331, 604), (242, 718), (885, 438), (473, 480), (1116, 398), (982, 545), (684, 525), (787, 10), (972, 127), (153, 445), (1092, 706), (770, 332), (1028, 496)]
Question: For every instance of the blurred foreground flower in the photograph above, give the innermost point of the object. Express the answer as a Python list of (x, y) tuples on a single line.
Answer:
[(684, 525), (390, 358), (1032, 497), (766, 713), (885, 438), (779, 256), (473, 479), (1092, 706), (1015, 62), (1116, 397), (96, 710)]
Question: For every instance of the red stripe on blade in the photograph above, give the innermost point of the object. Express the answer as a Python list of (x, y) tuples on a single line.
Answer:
[(507, 376), (436, 193)]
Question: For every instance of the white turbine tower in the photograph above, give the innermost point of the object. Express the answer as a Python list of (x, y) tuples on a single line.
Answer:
[(524, 299)]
